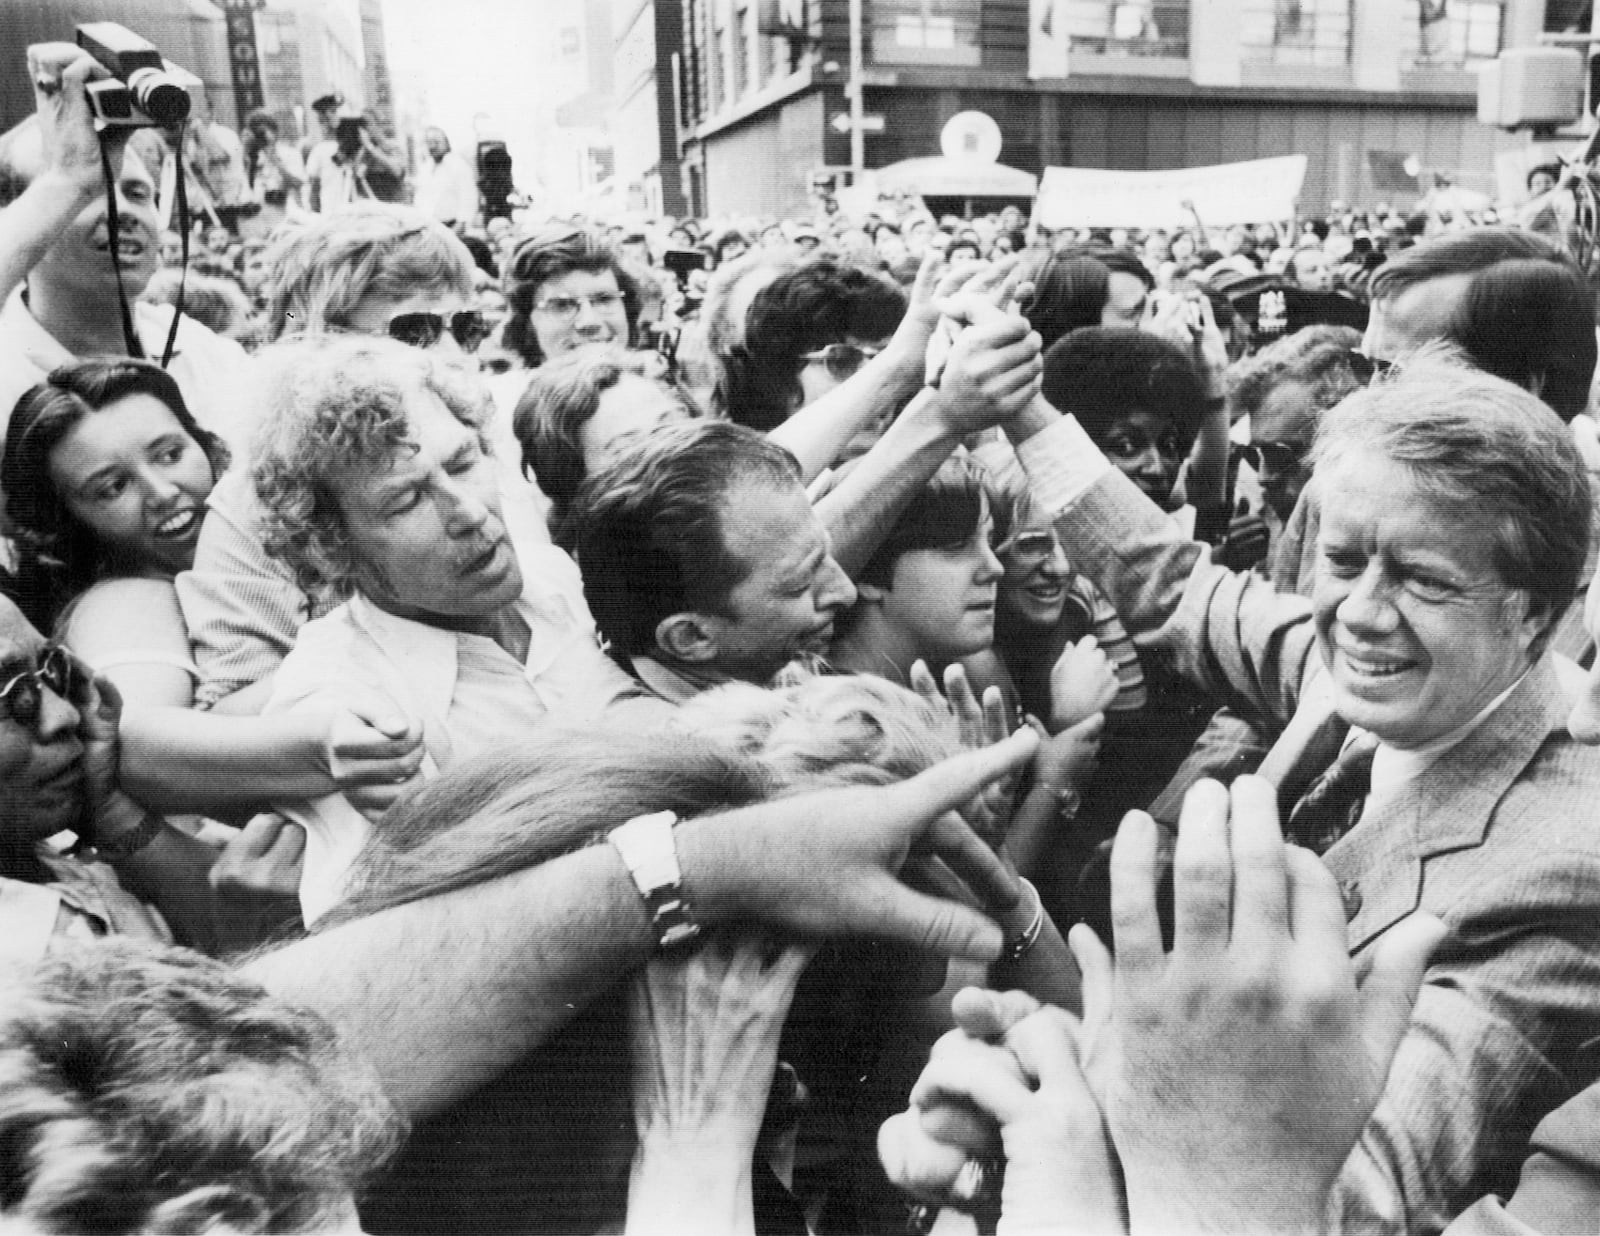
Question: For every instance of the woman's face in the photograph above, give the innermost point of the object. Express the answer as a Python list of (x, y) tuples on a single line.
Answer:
[(1145, 447), (628, 410), (577, 310), (1037, 573), (132, 474)]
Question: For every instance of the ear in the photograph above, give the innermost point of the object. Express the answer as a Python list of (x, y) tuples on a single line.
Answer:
[(687, 637)]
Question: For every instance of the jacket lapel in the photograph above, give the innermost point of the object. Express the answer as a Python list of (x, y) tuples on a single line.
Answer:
[(1379, 862)]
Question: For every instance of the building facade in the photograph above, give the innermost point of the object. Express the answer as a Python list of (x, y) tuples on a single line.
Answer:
[(760, 87)]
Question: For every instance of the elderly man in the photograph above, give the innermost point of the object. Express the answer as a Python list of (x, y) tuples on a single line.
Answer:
[(376, 485), (1421, 737)]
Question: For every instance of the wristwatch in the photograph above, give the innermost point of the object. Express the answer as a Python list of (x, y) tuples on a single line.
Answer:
[(651, 856)]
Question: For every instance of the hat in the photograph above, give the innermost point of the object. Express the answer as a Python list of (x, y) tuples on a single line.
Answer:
[(1274, 307)]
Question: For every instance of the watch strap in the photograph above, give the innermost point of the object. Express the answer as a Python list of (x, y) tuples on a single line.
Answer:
[(649, 852)]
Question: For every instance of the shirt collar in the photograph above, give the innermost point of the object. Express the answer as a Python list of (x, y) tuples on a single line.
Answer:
[(1393, 766), (675, 685)]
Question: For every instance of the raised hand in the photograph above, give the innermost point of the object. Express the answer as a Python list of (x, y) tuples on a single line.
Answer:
[(1083, 682), (256, 881), (1237, 1071), (372, 750)]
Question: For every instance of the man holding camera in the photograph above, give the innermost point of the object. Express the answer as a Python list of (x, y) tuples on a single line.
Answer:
[(68, 255)]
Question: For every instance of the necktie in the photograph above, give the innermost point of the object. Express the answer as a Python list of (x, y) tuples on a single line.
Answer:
[(1331, 807)]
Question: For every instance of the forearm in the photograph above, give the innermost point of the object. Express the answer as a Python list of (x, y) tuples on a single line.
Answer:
[(820, 431), (33, 222), (1206, 480), (866, 503), (172, 872), (176, 759)]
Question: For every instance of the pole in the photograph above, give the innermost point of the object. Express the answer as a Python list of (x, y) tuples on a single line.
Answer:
[(858, 138)]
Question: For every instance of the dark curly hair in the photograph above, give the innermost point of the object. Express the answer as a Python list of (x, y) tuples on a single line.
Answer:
[(548, 255), (821, 302), (58, 555), (1101, 372)]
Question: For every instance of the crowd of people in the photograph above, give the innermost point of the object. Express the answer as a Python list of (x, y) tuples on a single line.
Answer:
[(836, 724)]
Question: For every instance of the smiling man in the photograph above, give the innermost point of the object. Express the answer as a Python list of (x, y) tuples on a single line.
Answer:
[(703, 561), (69, 307), (1421, 741), (376, 485)]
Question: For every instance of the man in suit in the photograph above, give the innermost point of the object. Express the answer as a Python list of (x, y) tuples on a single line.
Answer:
[(1454, 546)]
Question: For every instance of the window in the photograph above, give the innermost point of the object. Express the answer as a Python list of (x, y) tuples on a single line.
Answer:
[(1450, 33), (1296, 32), (1125, 27), (926, 32)]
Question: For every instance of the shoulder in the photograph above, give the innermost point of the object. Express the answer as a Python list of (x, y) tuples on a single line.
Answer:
[(119, 614)]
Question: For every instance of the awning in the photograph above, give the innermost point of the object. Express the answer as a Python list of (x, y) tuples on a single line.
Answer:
[(940, 176)]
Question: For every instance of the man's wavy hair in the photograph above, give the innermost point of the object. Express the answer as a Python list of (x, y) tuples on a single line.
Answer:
[(149, 1089), (1318, 356), (321, 271), (328, 405), (548, 255)]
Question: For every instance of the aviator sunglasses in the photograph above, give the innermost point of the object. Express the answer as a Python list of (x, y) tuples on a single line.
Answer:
[(469, 328)]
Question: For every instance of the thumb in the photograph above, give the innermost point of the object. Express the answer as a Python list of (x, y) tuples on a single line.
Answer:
[(381, 713), (986, 1014), (935, 925), (1390, 989)]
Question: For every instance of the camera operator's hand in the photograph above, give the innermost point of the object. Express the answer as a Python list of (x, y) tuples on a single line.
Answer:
[(69, 143)]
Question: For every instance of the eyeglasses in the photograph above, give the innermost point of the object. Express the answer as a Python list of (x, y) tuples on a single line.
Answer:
[(565, 308), (22, 699), (1030, 549), (842, 359), (1280, 457), (469, 328), (1367, 368)]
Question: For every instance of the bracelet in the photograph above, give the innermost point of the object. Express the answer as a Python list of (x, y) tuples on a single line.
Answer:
[(132, 841), (1015, 950)]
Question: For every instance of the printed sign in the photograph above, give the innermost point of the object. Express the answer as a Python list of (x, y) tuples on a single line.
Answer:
[(1256, 191)]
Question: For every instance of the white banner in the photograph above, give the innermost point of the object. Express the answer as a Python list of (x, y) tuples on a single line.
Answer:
[(1256, 191)]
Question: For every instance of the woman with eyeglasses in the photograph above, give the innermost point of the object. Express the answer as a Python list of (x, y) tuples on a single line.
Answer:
[(567, 289)]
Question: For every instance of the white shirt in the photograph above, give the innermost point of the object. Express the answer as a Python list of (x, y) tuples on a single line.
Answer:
[(455, 684), (447, 190), (213, 373)]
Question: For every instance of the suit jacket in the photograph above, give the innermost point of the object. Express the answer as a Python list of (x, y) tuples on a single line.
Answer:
[(1500, 837)]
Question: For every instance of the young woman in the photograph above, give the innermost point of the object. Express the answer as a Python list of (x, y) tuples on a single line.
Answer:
[(106, 476)]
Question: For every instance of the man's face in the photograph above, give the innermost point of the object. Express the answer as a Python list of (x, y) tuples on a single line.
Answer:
[(1125, 300), (1540, 182), (1410, 318), (426, 528), (1415, 627), (438, 144), (792, 589), (80, 259), (1283, 428), (819, 376), (41, 761), (1312, 270)]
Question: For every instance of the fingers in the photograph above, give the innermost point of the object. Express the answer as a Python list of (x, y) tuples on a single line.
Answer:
[(1316, 906), (986, 1014), (1390, 991), (1094, 962), (970, 856), (976, 1075), (262, 833), (384, 715), (914, 1161), (995, 724), (950, 783), (968, 712), (1046, 1046), (1202, 891), (947, 928), (1135, 927), (922, 682), (1260, 873)]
